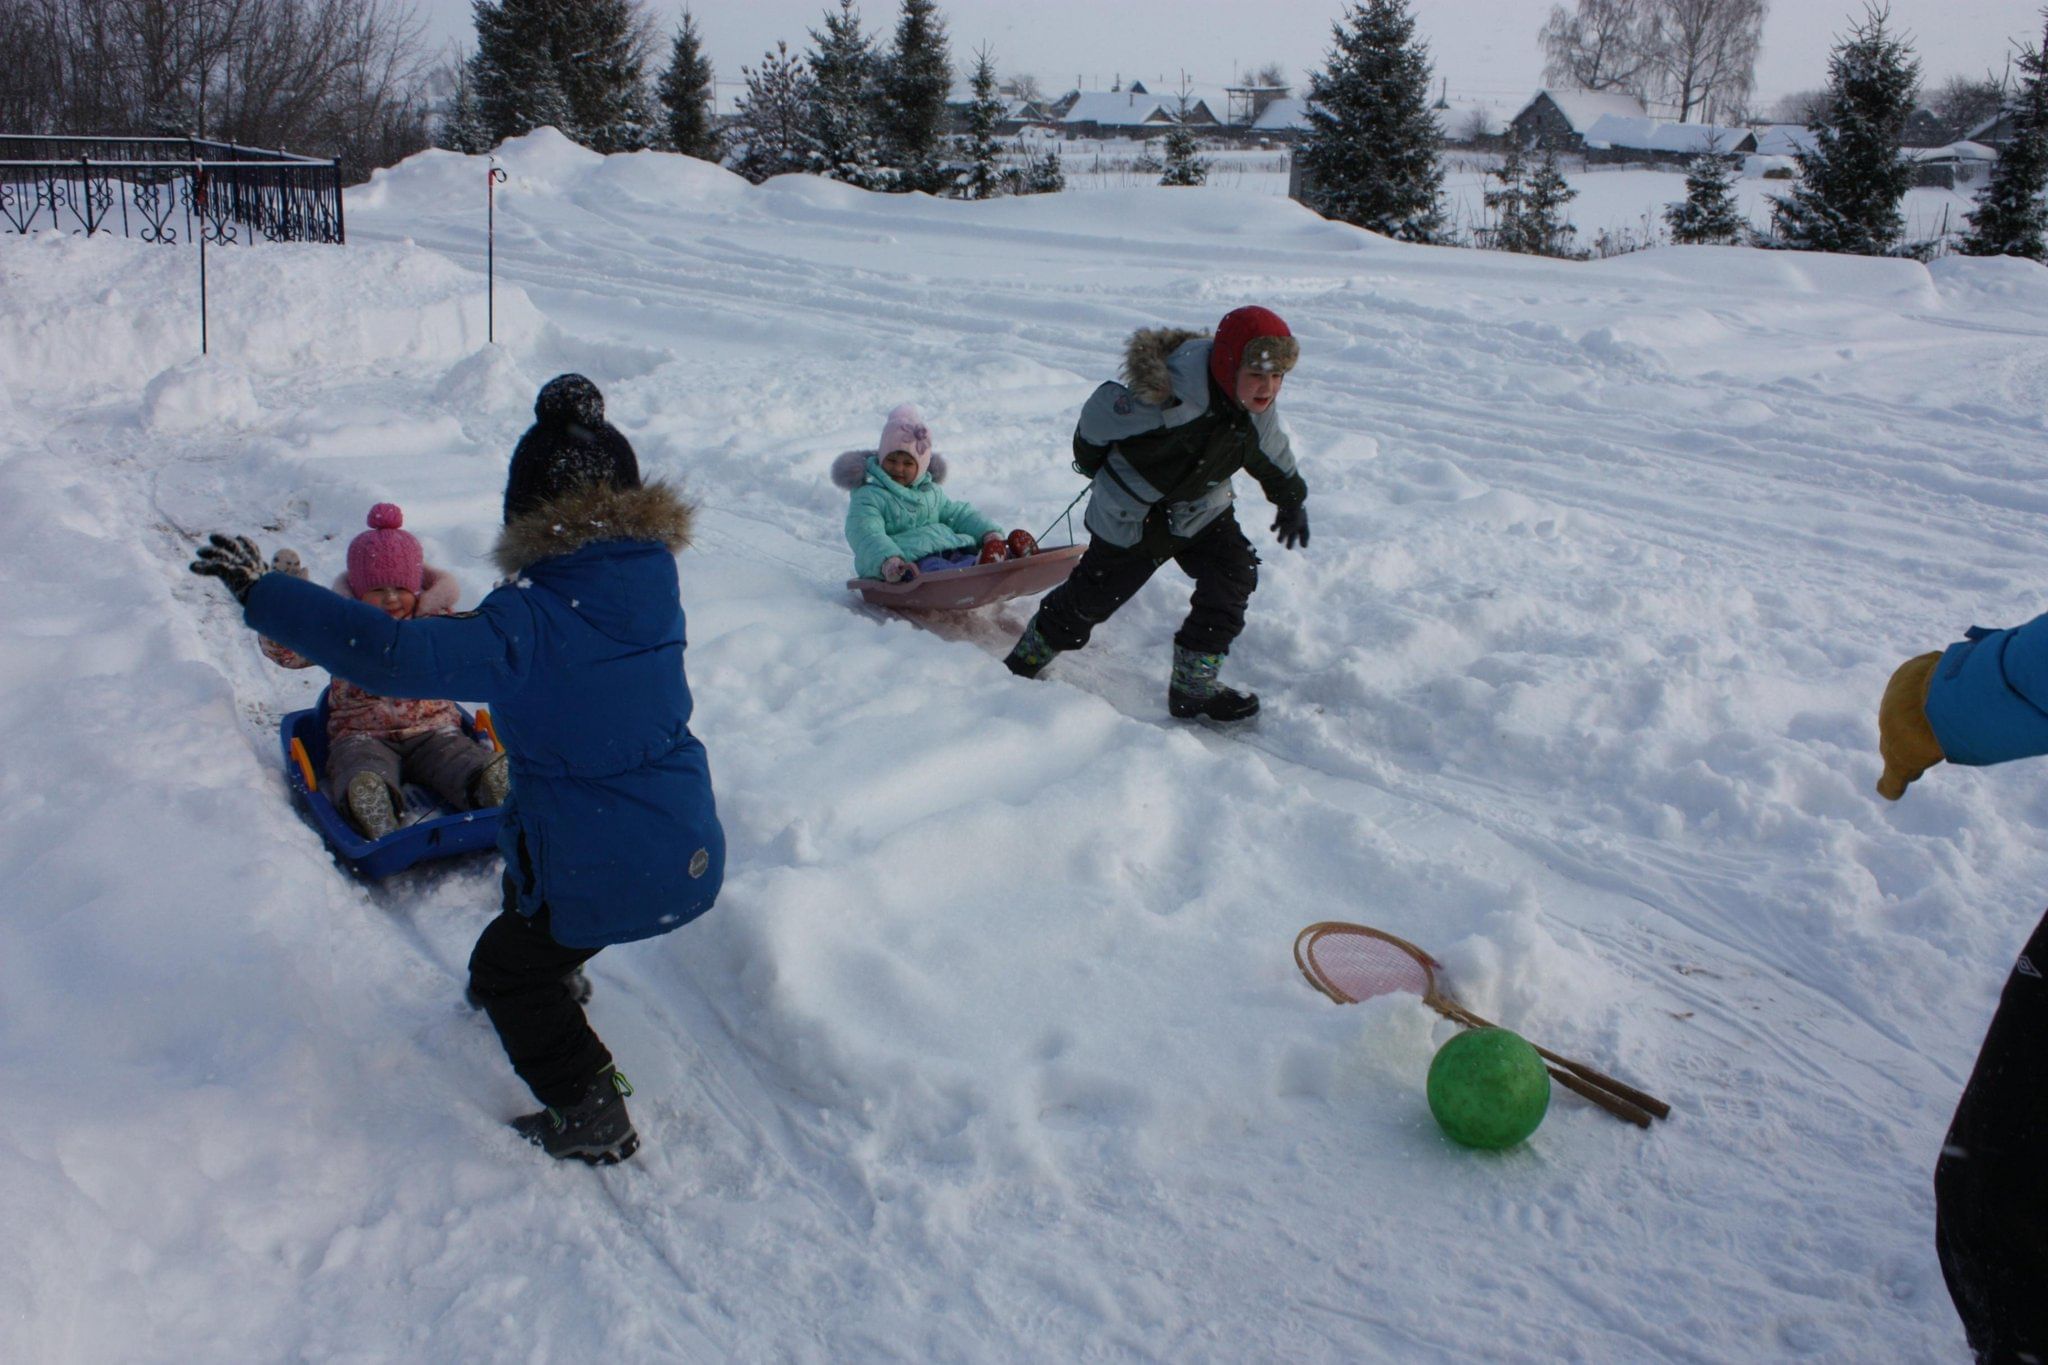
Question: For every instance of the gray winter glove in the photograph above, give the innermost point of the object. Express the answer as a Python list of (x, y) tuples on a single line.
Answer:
[(1291, 525), (236, 562)]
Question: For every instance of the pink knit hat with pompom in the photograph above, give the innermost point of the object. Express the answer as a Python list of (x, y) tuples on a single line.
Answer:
[(385, 556)]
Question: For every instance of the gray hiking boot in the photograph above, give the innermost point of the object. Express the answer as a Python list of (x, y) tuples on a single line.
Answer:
[(595, 1129), (369, 806), (1031, 653), (492, 784), (1194, 693)]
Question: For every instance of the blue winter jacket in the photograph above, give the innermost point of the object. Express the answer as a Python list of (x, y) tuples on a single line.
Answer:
[(611, 823), (1988, 699), (886, 519)]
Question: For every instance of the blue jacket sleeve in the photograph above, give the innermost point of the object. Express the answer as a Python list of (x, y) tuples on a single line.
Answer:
[(1988, 700), (481, 655), (962, 517)]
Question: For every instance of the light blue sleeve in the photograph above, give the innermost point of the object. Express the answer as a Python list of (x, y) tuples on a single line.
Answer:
[(962, 517), (1988, 699), (865, 533), (481, 655)]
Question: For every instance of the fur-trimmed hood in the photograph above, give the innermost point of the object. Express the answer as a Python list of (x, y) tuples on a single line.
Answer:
[(850, 468), (585, 516), (1146, 373)]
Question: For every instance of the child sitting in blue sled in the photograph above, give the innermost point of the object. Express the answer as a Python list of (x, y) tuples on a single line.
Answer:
[(376, 744), (900, 523)]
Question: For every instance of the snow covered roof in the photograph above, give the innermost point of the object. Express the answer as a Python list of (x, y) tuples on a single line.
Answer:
[(1120, 109), (1282, 115), (1784, 139), (1954, 151), (1583, 108), (1662, 135)]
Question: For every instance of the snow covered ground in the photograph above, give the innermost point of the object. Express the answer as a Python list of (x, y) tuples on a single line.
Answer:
[(994, 1048)]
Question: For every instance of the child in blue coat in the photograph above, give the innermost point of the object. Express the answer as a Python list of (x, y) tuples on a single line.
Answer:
[(610, 832), (900, 523), (1985, 700)]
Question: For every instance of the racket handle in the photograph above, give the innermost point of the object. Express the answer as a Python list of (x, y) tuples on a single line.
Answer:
[(1627, 1093), (1612, 1103)]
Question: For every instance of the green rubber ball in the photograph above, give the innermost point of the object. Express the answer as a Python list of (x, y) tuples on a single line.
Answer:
[(1488, 1088)]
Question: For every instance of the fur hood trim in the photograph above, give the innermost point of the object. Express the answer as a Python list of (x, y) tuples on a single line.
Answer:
[(438, 591), (587, 515), (1145, 357), (850, 468)]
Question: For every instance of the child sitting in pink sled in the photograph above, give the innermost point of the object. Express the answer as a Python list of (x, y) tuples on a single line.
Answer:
[(375, 745), (900, 523)]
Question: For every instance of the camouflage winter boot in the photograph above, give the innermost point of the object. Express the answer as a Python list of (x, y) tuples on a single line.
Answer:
[(492, 783), (1031, 653), (1195, 694), (594, 1130), (367, 802)]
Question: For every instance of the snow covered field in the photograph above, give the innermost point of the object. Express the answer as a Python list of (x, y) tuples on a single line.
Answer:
[(994, 1049), (1626, 202)]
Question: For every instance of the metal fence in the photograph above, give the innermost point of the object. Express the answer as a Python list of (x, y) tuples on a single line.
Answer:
[(166, 190)]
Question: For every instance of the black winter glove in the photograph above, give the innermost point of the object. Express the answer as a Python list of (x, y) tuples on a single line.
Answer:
[(236, 562), (1291, 525)]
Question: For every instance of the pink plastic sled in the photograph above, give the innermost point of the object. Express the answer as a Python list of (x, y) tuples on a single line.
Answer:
[(979, 586)]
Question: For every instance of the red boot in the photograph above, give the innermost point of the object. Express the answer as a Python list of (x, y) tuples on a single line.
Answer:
[(1021, 544), (993, 552)]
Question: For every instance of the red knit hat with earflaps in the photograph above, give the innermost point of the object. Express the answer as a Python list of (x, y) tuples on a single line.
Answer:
[(1239, 328)]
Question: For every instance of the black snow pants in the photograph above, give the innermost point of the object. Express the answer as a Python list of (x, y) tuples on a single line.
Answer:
[(1220, 560), (1991, 1184), (517, 973)]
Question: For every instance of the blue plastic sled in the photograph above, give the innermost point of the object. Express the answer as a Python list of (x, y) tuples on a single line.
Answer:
[(427, 830)]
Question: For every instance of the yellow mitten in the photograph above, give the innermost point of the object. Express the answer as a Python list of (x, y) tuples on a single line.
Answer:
[(1903, 734)]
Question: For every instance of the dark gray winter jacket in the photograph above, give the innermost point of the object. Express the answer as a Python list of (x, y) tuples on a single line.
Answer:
[(1163, 445)]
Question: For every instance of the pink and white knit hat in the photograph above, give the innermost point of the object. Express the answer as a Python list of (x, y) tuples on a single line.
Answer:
[(385, 556), (905, 430)]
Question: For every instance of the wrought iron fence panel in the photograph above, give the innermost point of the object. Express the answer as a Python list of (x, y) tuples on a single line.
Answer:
[(151, 188)]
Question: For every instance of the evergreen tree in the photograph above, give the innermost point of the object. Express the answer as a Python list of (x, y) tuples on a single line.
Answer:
[(983, 179), (685, 93), (1708, 216), (1371, 145), (1183, 166), (1853, 180), (774, 117), (1529, 205), (575, 64), (1551, 232), (463, 129), (915, 82), (1509, 203), (844, 95), (2011, 219)]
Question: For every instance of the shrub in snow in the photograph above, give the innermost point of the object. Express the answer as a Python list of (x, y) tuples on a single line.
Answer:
[(1528, 205), (982, 180), (1855, 177)]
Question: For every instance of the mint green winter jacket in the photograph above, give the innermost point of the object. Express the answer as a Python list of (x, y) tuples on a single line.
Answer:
[(888, 519)]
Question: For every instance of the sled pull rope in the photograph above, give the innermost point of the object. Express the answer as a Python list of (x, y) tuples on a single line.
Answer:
[(1066, 516)]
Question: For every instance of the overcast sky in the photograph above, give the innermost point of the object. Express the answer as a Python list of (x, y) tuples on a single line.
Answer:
[(1484, 48)]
